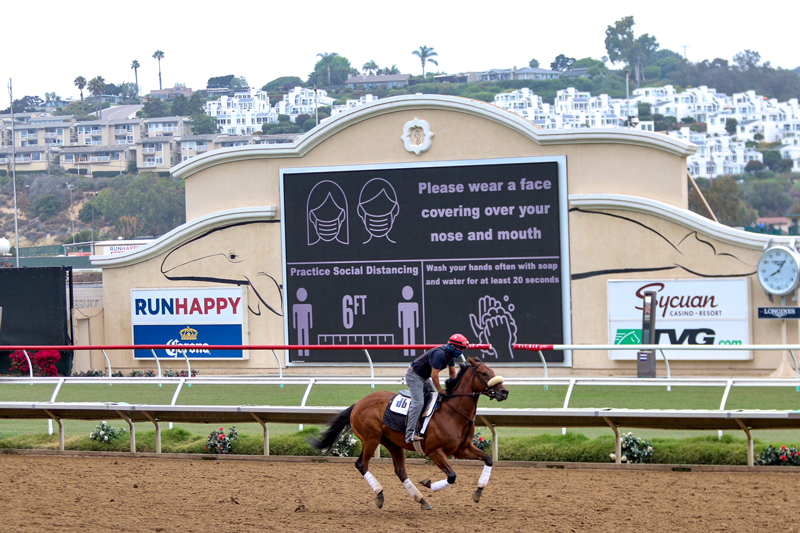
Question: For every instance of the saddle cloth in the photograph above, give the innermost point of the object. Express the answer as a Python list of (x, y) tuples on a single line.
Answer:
[(395, 415)]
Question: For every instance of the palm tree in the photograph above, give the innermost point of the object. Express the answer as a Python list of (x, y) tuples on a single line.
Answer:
[(135, 66), (370, 67), (158, 54), (80, 83), (389, 70), (96, 86), (425, 54), (327, 59)]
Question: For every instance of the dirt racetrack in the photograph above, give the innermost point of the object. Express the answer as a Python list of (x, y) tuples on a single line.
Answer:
[(78, 493)]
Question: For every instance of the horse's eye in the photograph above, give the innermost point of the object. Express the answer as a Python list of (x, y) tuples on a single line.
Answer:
[(485, 374)]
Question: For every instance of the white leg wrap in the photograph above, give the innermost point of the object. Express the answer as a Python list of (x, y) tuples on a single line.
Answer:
[(376, 486), (484, 480), (439, 485), (414, 491)]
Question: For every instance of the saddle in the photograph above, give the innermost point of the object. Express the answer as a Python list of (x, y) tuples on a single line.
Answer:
[(396, 413)]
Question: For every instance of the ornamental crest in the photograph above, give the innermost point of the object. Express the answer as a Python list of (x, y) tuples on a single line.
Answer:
[(417, 136)]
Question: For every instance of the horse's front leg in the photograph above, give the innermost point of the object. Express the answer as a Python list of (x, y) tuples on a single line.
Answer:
[(470, 451), (439, 458)]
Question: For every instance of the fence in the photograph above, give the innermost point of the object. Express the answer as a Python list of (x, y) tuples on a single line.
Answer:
[(565, 417)]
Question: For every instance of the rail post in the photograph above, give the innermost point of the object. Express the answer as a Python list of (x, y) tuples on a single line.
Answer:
[(132, 428), (266, 431), (158, 430), (305, 396), (60, 429), (750, 457), (617, 441), (371, 368), (566, 400), (30, 365), (724, 401), (175, 396), (280, 368), (52, 400), (108, 363), (157, 363), (541, 356)]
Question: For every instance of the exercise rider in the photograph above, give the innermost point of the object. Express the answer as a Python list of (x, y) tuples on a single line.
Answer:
[(424, 370)]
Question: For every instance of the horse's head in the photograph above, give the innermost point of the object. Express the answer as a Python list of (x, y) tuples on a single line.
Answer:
[(491, 383)]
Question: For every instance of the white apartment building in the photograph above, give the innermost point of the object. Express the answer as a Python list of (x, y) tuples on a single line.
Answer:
[(243, 113), (716, 156), (300, 101), (352, 104)]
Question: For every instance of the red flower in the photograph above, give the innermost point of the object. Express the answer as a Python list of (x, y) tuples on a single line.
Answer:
[(480, 439), (222, 435), (783, 457), (221, 429), (783, 447)]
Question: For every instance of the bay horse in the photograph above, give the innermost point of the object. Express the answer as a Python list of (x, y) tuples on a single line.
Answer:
[(449, 433)]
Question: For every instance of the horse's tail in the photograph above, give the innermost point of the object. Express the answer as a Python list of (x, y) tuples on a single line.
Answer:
[(338, 425)]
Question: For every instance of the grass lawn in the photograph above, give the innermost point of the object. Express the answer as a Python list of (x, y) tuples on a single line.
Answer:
[(527, 396)]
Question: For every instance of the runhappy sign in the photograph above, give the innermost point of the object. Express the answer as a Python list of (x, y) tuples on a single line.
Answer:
[(189, 319)]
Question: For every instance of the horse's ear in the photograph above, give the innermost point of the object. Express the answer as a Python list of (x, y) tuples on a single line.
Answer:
[(474, 362)]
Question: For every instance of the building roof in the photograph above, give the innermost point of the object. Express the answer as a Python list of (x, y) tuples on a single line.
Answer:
[(385, 78), (94, 148), (201, 137), (39, 148)]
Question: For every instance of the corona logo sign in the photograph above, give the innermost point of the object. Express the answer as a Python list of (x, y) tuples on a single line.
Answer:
[(188, 334)]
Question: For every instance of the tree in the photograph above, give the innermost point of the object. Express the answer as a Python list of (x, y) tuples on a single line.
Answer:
[(388, 71), (533, 63), (621, 45), (425, 54), (332, 69), (239, 84), (135, 66), (770, 197), (370, 67), (220, 82), (284, 83), (158, 54), (562, 63), (154, 108), (730, 125), (180, 106), (754, 166), (726, 201), (80, 83), (96, 86), (327, 60), (204, 124), (195, 105)]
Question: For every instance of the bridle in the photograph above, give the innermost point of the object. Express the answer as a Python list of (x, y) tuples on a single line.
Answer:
[(487, 385)]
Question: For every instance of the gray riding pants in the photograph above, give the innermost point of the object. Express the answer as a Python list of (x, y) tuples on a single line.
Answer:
[(417, 387)]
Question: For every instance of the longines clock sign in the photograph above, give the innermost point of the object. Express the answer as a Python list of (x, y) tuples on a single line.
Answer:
[(410, 254)]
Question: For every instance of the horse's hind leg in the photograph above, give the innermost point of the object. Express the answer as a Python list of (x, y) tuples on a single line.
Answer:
[(399, 460), (362, 464)]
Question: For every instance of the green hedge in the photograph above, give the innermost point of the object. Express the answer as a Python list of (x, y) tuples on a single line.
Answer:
[(572, 447)]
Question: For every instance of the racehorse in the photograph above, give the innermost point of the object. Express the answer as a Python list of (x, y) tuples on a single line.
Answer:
[(449, 433)]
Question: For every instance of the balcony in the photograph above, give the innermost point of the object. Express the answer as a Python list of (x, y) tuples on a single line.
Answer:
[(157, 163), (51, 135), (100, 159), (3, 160), (148, 150), (22, 159)]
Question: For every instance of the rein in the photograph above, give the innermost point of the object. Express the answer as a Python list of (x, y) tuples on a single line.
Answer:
[(472, 394)]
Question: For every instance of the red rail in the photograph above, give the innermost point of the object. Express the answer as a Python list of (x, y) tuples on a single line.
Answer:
[(181, 347)]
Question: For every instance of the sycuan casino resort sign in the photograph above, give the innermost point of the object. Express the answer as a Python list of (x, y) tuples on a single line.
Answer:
[(189, 319), (690, 312)]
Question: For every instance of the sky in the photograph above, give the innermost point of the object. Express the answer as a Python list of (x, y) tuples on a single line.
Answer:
[(265, 40)]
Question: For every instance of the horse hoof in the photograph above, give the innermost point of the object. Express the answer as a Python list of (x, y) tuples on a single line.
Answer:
[(425, 505), (379, 500), (425, 483), (476, 496)]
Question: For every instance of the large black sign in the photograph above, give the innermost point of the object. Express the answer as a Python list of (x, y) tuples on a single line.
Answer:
[(413, 254)]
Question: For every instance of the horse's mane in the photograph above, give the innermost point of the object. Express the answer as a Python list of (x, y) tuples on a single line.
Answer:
[(451, 384)]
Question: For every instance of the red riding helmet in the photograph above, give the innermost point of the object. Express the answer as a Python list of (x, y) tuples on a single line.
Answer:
[(459, 341)]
